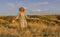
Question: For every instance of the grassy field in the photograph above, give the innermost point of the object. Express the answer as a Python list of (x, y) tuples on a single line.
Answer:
[(38, 26)]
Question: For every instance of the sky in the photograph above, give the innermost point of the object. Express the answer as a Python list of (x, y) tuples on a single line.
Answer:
[(11, 7)]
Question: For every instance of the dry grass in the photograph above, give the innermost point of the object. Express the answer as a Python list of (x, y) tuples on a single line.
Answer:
[(44, 26)]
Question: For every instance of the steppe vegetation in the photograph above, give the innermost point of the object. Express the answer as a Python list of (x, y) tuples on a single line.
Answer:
[(38, 26)]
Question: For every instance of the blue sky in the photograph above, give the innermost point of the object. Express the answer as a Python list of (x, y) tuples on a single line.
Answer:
[(10, 7)]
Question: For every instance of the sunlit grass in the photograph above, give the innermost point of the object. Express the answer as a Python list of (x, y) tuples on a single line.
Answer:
[(44, 26)]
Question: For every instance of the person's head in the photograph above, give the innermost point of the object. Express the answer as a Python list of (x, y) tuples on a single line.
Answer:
[(21, 9)]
